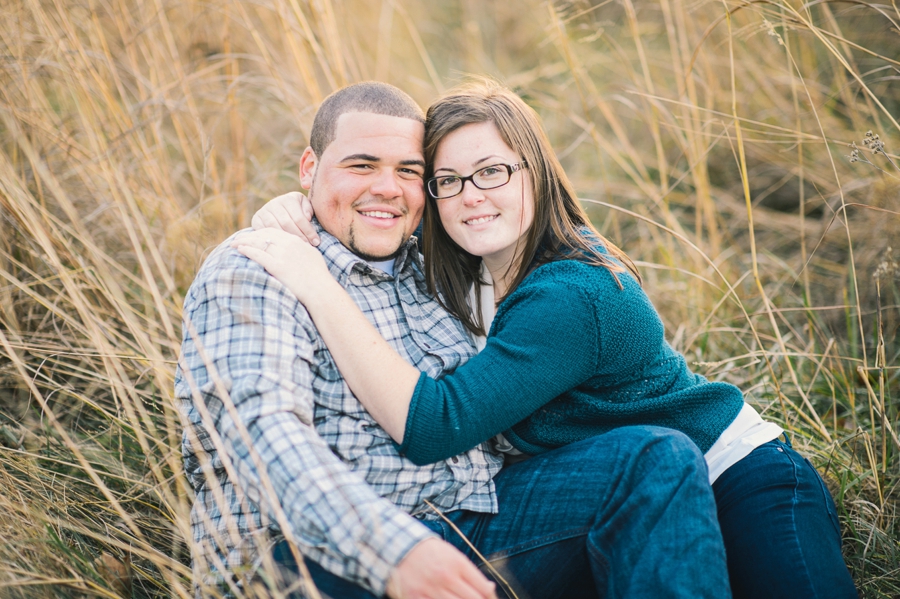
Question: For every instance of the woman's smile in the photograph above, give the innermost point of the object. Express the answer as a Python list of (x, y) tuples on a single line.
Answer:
[(480, 220)]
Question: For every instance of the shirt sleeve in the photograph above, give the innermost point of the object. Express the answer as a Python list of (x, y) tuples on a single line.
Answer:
[(259, 343), (542, 344)]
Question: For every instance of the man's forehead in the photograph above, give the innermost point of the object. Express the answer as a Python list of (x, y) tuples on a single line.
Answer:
[(363, 127)]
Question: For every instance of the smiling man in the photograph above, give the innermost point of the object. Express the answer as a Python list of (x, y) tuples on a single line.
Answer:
[(282, 455)]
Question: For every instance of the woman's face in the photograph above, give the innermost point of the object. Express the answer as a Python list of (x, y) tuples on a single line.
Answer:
[(490, 223)]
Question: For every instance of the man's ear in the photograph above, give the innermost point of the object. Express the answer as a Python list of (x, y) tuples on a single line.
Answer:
[(308, 163)]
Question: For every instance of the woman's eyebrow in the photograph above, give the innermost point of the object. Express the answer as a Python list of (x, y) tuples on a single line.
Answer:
[(474, 164), (485, 159)]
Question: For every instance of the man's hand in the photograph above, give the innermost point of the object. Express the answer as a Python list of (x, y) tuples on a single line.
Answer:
[(435, 569), (291, 212)]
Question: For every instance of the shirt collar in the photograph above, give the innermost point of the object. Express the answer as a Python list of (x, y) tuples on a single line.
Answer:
[(342, 262)]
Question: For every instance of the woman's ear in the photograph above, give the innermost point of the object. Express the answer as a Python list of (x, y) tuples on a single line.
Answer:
[(308, 163)]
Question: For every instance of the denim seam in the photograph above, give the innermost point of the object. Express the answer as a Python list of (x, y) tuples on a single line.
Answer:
[(830, 508), (794, 503), (536, 543)]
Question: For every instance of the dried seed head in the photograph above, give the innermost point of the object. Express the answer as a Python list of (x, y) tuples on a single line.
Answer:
[(770, 29), (873, 142), (888, 268)]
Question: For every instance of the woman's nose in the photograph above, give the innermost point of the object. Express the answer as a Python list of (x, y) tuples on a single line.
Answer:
[(471, 195)]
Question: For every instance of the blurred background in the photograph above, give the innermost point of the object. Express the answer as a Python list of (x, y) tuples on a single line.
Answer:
[(744, 154)]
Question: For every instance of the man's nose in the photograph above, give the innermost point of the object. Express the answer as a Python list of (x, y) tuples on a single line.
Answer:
[(386, 184)]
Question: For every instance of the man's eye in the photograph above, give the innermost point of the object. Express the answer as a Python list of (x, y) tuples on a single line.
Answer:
[(409, 173), (448, 181), (361, 167)]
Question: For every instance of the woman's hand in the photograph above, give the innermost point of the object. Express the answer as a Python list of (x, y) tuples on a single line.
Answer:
[(291, 212), (288, 258)]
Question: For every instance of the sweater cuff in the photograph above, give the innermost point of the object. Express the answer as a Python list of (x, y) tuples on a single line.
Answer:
[(403, 448), (523, 445)]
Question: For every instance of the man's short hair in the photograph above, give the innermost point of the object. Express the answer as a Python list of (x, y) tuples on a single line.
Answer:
[(368, 96)]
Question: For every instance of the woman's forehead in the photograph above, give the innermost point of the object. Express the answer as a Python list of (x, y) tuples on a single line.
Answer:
[(472, 146)]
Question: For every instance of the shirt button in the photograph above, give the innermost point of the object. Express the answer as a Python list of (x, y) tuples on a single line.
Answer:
[(455, 460)]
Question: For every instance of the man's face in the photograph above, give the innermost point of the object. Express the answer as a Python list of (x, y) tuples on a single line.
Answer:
[(366, 188)]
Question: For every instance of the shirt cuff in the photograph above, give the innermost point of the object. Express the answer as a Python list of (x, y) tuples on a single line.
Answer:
[(387, 547)]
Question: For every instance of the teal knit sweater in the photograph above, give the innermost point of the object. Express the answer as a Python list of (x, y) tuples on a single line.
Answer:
[(570, 355)]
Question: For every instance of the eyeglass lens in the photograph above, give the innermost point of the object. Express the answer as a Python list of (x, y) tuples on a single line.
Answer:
[(488, 177)]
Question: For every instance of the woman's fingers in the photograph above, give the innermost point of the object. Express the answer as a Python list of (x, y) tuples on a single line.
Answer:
[(290, 212), (264, 217), (255, 254), (283, 250), (251, 238), (299, 209), (291, 260)]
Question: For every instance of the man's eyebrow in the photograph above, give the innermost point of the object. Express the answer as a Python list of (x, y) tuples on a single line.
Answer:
[(365, 157), (371, 158), (474, 164)]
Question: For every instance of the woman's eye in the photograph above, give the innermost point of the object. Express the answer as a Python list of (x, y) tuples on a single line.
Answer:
[(490, 171), (448, 181)]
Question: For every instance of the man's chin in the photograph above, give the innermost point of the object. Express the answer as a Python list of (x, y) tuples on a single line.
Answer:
[(375, 252), (374, 257)]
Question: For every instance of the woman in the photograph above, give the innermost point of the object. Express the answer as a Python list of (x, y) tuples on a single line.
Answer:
[(575, 347)]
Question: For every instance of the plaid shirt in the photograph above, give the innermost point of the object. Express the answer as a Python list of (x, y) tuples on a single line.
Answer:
[(346, 493)]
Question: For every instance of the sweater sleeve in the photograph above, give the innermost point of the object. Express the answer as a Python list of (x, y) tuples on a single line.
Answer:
[(543, 343)]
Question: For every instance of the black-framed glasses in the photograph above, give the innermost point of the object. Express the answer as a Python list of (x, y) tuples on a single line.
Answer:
[(489, 177)]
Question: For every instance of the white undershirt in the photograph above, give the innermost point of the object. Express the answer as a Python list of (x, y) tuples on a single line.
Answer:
[(747, 432), (384, 265)]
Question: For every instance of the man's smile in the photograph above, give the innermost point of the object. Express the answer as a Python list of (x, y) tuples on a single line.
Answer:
[(378, 214)]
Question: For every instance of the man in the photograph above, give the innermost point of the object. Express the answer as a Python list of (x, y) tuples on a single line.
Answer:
[(281, 455)]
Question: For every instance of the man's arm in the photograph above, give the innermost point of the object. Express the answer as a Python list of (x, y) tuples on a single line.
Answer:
[(258, 347), (254, 347)]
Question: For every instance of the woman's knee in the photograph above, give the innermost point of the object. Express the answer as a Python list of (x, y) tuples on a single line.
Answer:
[(654, 447), (663, 443)]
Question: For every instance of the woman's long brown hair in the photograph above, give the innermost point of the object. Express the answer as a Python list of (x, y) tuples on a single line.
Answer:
[(561, 229)]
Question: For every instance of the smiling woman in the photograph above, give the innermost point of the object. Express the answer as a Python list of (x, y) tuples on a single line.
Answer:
[(375, 210)]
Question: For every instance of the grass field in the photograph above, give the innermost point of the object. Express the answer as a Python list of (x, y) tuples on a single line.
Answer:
[(709, 139)]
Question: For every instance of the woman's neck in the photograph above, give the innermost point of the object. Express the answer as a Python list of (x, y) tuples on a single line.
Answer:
[(503, 273)]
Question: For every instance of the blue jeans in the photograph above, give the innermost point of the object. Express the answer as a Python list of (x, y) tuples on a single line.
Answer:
[(626, 514), (780, 528)]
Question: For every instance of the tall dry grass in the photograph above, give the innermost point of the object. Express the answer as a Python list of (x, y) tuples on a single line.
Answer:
[(708, 138)]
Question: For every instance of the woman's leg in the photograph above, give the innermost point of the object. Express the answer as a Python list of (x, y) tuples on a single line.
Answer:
[(780, 527)]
